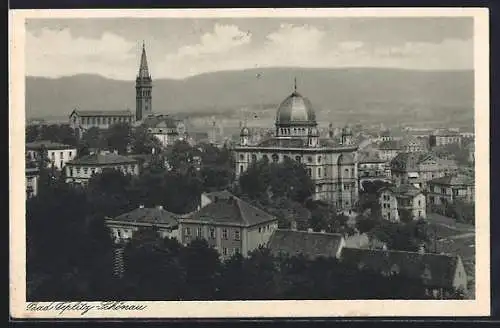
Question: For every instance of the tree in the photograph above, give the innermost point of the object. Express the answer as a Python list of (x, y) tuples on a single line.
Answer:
[(93, 138), (118, 137), (180, 156), (202, 266), (144, 142), (288, 178)]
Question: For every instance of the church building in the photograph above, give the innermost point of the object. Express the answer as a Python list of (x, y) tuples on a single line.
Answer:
[(331, 163)]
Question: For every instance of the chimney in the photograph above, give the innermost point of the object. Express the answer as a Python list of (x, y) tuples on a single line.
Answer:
[(293, 225), (141, 206)]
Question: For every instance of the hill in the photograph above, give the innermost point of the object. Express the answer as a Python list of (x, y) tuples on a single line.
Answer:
[(351, 94)]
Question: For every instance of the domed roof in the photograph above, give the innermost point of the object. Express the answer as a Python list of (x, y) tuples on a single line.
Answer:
[(295, 110)]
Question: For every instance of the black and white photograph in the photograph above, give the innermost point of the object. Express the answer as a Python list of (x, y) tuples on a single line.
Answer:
[(222, 157)]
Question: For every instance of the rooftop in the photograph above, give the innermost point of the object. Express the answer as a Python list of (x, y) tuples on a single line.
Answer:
[(102, 112), (152, 216), (229, 209), (101, 159), (405, 190), (308, 244), (454, 180), (434, 269), (37, 145)]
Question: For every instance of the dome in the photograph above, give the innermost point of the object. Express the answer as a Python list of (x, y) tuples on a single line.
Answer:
[(295, 110), (245, 132)]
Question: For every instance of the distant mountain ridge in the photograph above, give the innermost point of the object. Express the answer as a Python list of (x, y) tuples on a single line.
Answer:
[(346, 94)]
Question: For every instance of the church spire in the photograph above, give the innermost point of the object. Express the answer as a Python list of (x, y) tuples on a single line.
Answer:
[(143, 68)]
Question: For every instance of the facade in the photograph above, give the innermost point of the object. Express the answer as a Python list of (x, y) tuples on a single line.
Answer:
[(411, 144), (80, 170), (57, 153), (82, 120), (306, 243), (143, 89), (32, 177), (123, 227), (419, 167), (442, 274), (445, 137), (229, 224), (331, 163), (388, 149), (394, 200), (447, 189), (165, 128)]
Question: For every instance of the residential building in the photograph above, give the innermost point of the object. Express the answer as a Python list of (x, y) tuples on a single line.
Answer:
[(412, 144), (82, 120), (124, 226), (419, 167), (331, 163), (58, 154), (371, 167), (394, 200), (229, 224), (442, 274), (165, 128), (306, 243), (32, 178), (449, 188), (389, 149), (82, 169), (444, 137)]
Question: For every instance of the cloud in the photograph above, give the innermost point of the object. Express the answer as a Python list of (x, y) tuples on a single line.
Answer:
[(56, 52), (229, 47), (222, 39)]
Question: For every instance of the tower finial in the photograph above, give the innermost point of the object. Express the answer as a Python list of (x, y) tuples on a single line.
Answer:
[(295, 84)]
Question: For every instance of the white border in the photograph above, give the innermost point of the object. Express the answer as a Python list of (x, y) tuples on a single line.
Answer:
[(478, 307)]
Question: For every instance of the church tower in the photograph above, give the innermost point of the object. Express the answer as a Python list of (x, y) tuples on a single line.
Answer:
[(143, 87)]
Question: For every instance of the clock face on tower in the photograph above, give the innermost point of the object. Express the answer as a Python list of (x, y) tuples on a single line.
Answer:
[(181, 129)]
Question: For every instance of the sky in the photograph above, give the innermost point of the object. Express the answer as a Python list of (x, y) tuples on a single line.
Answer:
[(178, 48)]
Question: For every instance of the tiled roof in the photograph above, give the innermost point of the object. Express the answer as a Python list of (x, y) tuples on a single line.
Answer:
[(308, 244), (103, 112), (148, 215), (389, 145), (229, 209), (405, 190), (438, 269), (99, 159), (370, 158), (37, 145), (161, 121), (454, 180)]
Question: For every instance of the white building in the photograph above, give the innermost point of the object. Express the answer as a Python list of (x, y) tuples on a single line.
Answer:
[(58, 154), (394, 200), (82, 169)]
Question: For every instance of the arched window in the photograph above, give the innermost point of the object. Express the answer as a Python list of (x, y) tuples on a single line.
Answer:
[(298, 159), (241, 168), (319, 159), (242, 157), (254, 158), (275, 158)]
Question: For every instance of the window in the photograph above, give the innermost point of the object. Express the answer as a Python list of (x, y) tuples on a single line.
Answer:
[(224, 251), (309, 159), (275, 158), (188, 231), (236, 235), (419, 202), (319, 171), (260, 229), (53, 155), (70, 154), (198, 232), (254, 158), (237, 251), (212, 233), (309, 171), (70, 171), (241, 168), (92, 170), (242, 157), (319, 159), (86, 170), (298, 159), (224, 234), (77, 170)]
